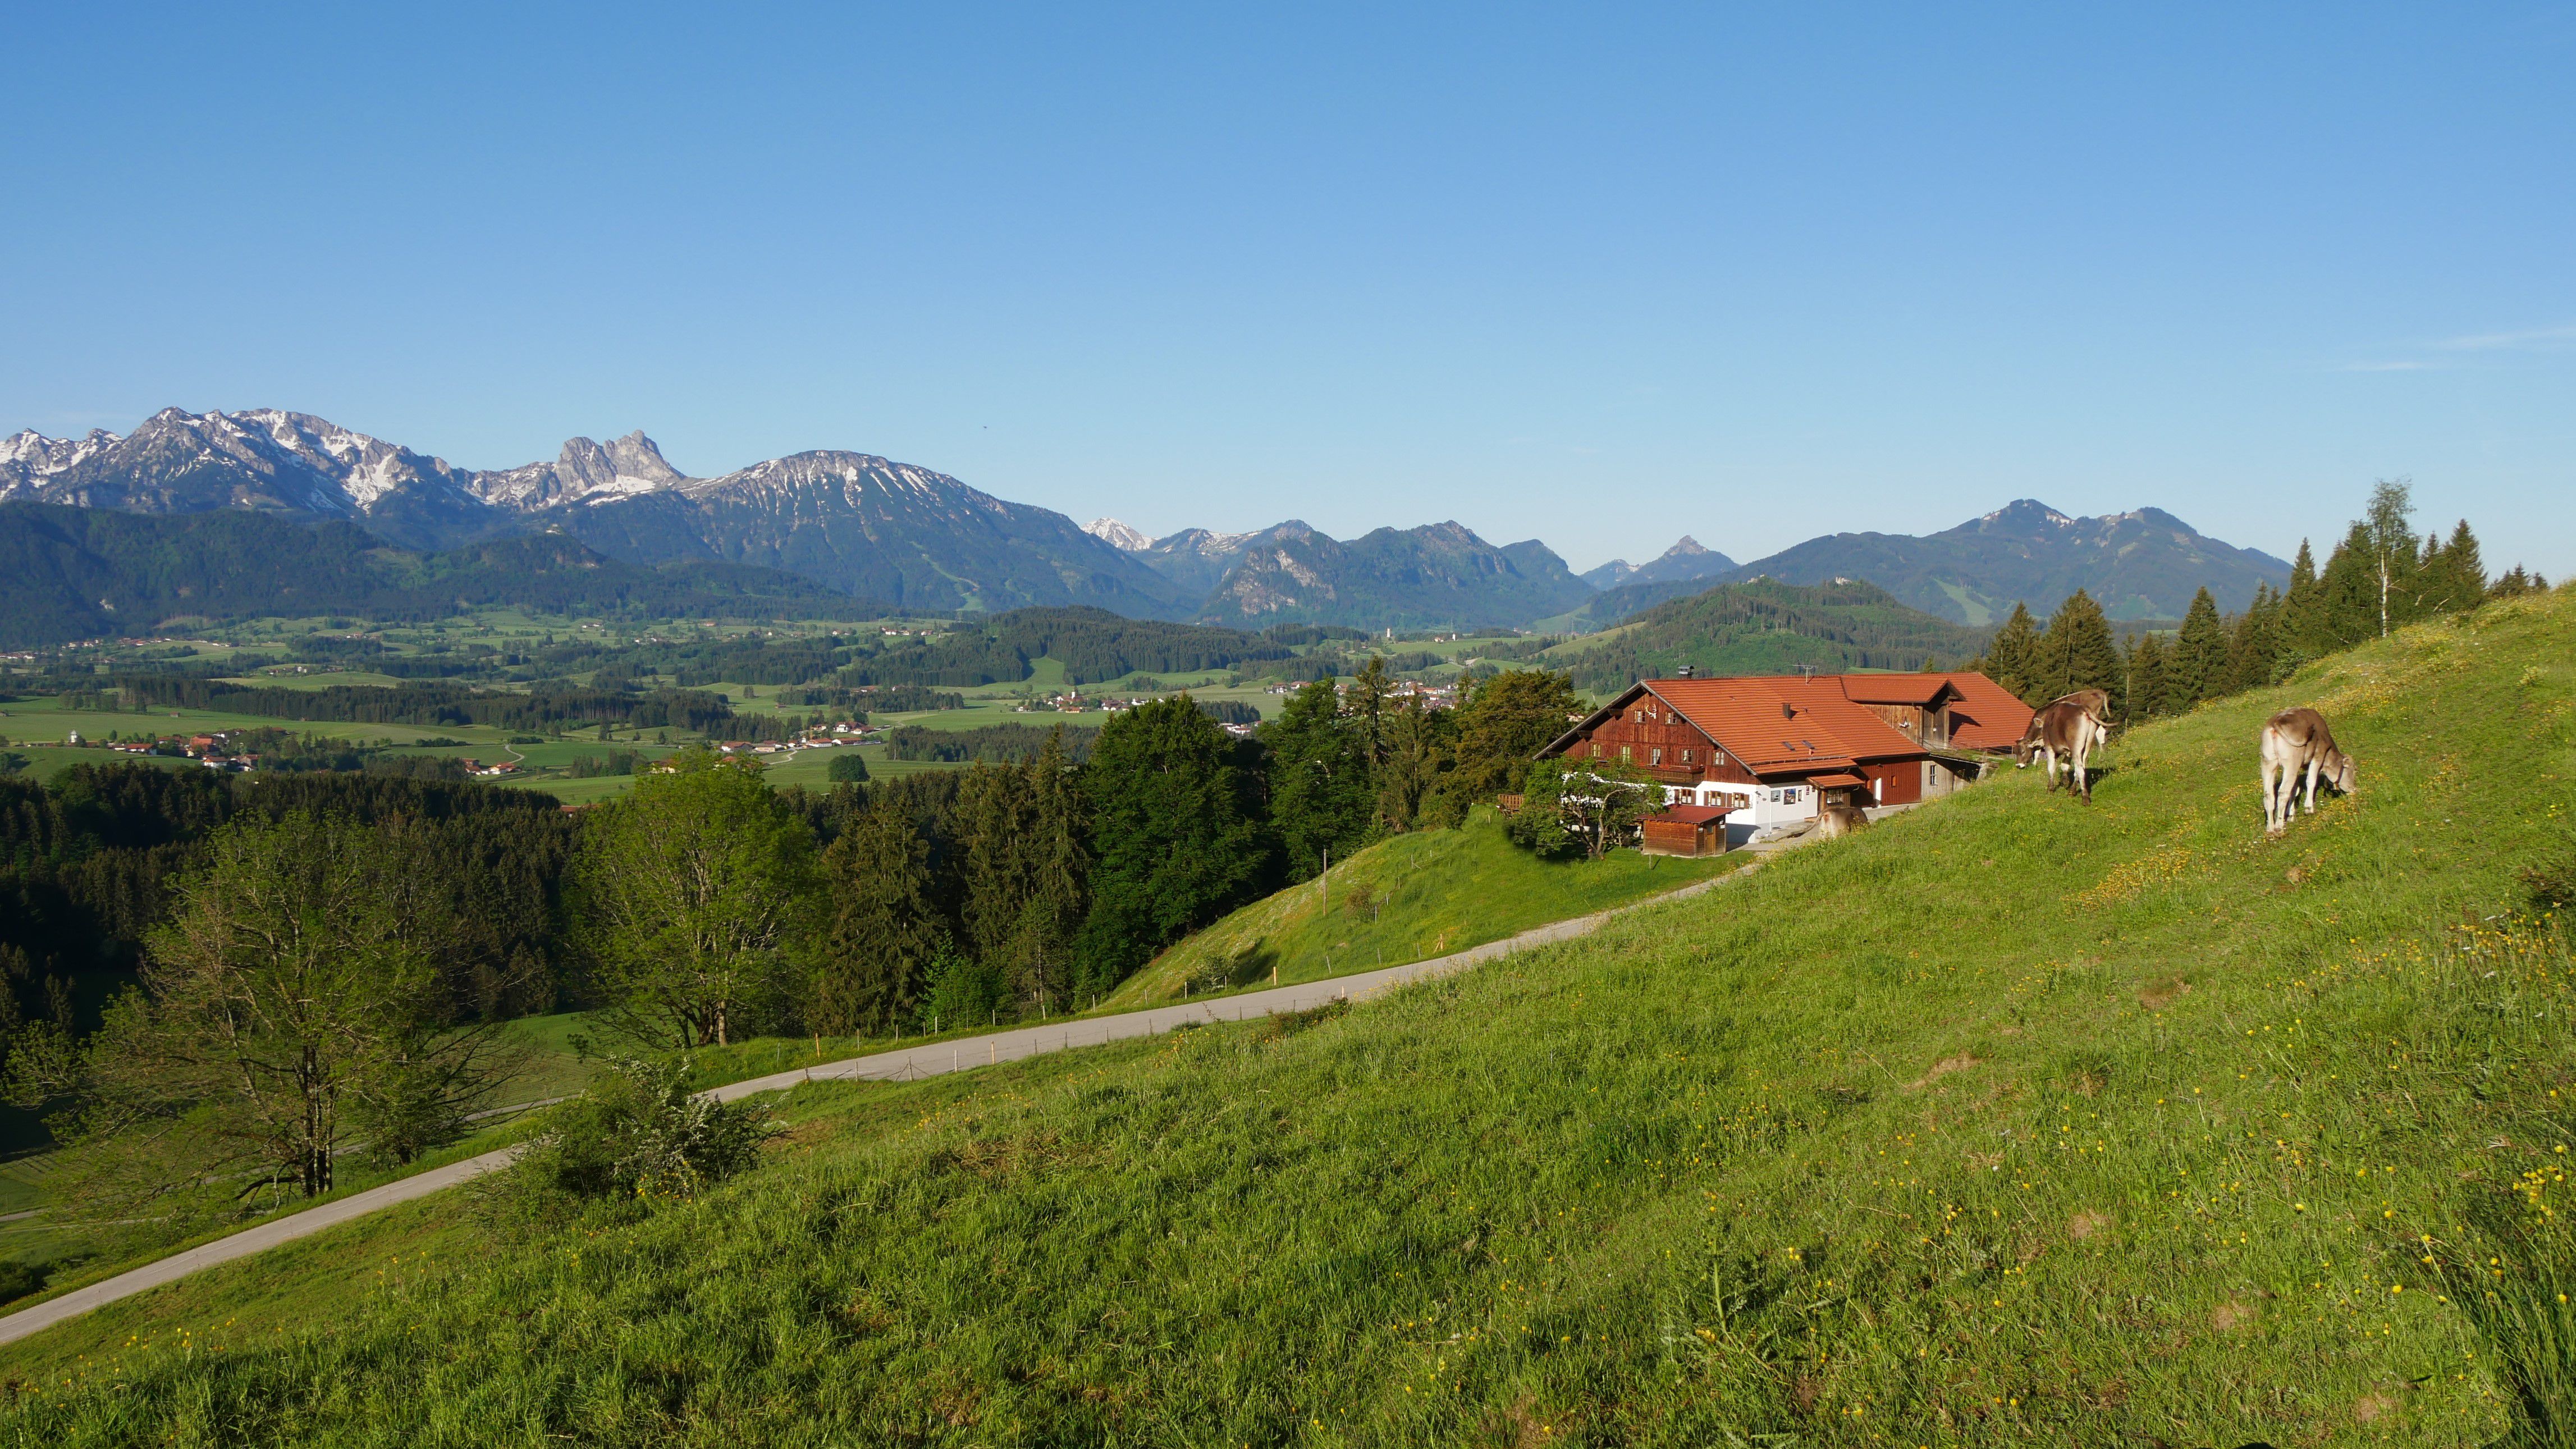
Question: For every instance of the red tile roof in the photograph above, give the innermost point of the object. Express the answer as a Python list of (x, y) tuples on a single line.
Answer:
[(1920, 690), (1795, 724), (1987, 716), (1756, 721), (1691, 814)]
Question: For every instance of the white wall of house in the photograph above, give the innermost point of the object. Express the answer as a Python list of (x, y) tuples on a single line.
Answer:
[(1772, 804)]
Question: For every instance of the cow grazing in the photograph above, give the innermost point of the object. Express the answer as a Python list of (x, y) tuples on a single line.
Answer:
[(2071, 726), (2296, 742), (1838, 820)]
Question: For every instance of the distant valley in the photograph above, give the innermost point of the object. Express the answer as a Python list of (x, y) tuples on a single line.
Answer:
[(915, 540)]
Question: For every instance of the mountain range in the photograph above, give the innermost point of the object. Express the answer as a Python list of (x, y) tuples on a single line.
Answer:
[(1681, 563), (1438, 575), (2141, 565), (82, 573), (922, 541), (862, 524)]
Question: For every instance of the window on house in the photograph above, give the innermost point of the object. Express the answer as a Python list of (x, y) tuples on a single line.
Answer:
[(1686, 757), (1624, 755), (1658, 757)]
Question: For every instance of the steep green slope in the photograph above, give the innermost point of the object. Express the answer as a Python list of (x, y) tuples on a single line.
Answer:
[(1767, 627), (2009, 1120), (1403, 899)]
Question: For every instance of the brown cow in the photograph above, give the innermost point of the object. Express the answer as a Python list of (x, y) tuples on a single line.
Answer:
[(2296, 741), (1839, 819), (2071, 725)]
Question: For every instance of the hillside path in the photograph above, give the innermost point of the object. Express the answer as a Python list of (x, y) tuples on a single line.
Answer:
[(907, 1064)]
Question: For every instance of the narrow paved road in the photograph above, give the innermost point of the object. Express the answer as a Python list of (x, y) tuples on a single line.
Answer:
[(907, 1064)]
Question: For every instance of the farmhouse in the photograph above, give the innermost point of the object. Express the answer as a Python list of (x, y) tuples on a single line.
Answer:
[(1772, 749)]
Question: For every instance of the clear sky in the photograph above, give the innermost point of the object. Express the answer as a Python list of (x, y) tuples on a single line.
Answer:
[(1596, 274)]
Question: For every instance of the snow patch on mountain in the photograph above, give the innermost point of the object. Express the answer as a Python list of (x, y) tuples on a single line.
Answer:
[(1118, 535)]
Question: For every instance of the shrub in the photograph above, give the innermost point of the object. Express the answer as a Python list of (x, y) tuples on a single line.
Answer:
[(962, 992), (17, 1280), (637, 1133), (847, 768)]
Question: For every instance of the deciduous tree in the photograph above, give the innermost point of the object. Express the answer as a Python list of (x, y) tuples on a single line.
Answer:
[(1323, 788), (289, 1011), (692, 895)]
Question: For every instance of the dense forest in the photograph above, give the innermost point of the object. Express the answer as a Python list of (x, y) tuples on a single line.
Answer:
[(86, 866), (544, 707), (1130, 835), (80, 573), (1091, 644)]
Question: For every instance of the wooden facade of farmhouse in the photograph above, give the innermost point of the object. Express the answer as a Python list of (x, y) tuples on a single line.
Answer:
[(1768, 750)]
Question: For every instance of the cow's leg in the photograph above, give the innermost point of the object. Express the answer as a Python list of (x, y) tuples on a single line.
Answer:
[(2313, 771), (2276, 781)]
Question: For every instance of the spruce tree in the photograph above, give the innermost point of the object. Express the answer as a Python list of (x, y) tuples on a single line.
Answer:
[(2146, 694), (883, 933), (1367, 706), (1419, 742), (2301, 630), (1057, 866), (2351, 596), (2455, 577), (2251, 643), (1177, 838), (2199, 668), (2077, 652), (2012, 660), (994, 818)]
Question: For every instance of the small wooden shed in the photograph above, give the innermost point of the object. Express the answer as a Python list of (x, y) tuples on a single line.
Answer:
[(1685, 830)]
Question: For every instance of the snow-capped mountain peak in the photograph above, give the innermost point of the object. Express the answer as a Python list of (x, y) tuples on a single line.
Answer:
[(1118, 535), (28, 458)]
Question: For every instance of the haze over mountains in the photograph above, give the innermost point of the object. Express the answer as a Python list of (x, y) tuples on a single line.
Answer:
[(922, 540)]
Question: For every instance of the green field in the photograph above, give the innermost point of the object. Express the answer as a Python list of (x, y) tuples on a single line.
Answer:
[(2008, 1121), (1405, 899)]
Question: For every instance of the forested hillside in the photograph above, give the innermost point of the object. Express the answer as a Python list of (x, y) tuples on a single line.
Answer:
[(1765, 627), (1092, 644), (78, 573)]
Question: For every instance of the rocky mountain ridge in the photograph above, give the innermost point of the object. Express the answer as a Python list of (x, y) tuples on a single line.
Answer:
[(923, 540)]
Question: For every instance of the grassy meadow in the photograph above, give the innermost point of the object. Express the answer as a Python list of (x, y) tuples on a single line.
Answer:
[(1403, 899), (2008, 1121)]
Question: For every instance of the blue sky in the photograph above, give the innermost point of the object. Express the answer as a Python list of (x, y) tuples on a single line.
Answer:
[(1596, 275)]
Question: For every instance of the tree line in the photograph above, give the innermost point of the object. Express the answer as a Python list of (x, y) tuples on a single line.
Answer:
[(543, 707), (259, 973), (2380, 577)]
